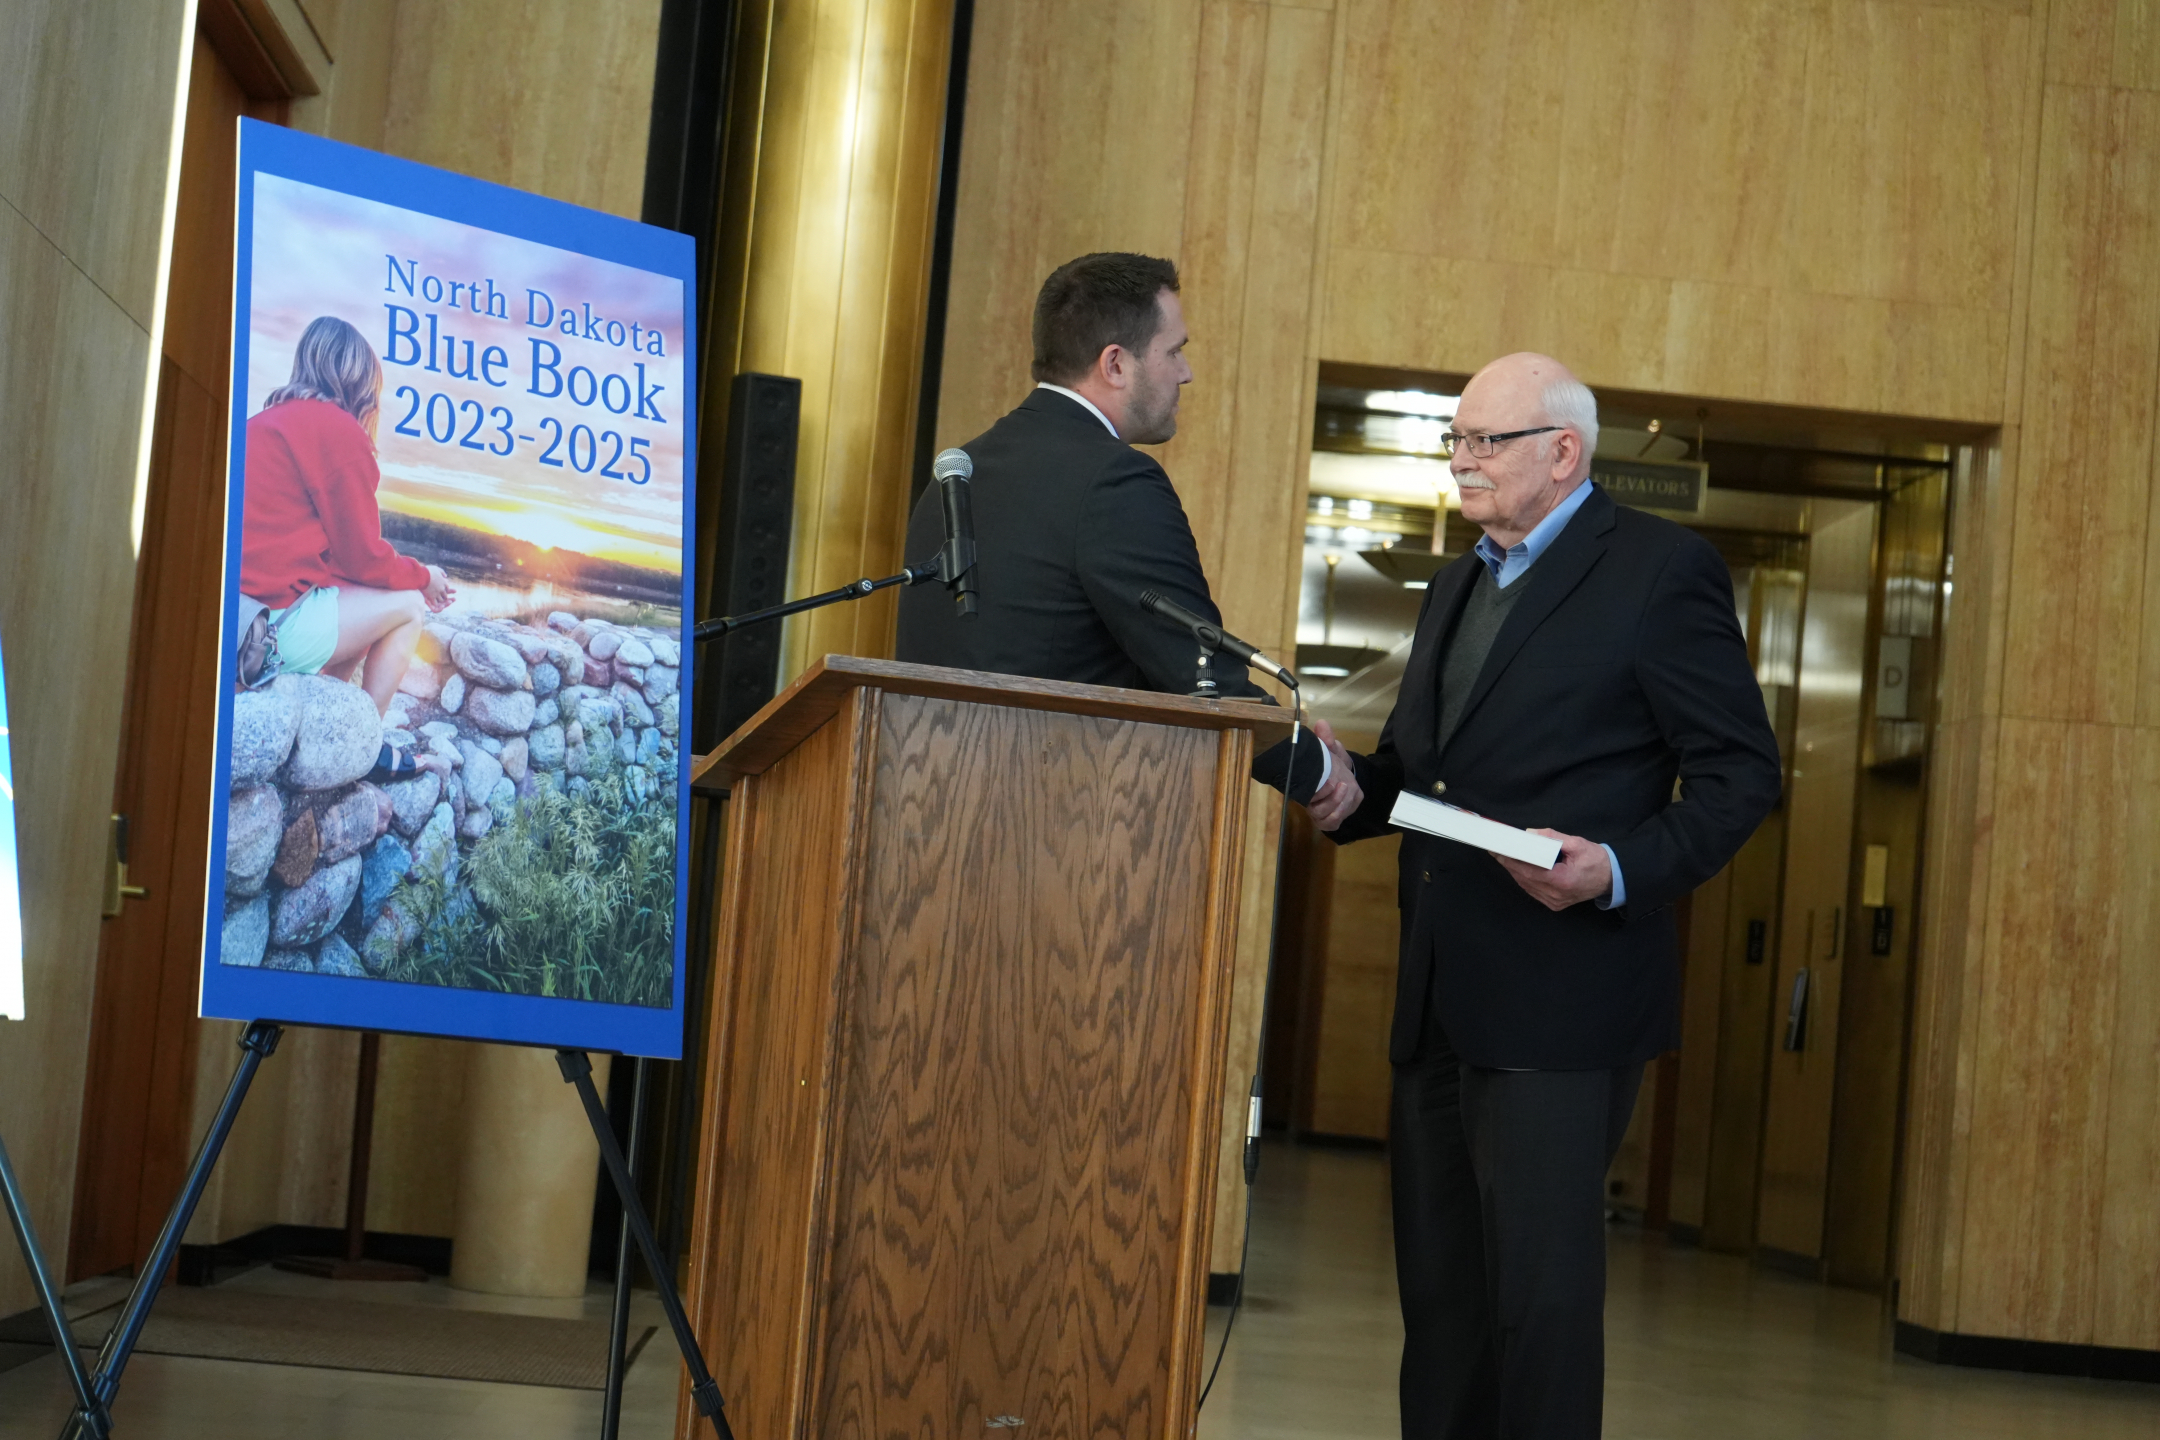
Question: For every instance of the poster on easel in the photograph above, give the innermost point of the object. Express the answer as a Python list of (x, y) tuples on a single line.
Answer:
[(11, 953), (452, 796)]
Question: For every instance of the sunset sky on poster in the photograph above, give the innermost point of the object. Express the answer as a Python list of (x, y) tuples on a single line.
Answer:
[(317, 252)]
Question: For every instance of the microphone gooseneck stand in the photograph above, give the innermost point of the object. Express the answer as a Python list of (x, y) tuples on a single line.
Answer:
[(854, 590), (1211, 639)]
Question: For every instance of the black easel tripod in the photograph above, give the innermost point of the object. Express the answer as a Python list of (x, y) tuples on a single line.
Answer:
[(94, 1391), (18, 1209)]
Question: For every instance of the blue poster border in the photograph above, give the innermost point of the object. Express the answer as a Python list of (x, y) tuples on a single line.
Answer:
[(234, 992)]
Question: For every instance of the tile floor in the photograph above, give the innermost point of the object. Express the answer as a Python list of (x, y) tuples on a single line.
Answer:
[(1701, 1346)]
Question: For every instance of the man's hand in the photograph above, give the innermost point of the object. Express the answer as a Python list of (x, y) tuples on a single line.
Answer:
[(1581, 873), (1335, 801)]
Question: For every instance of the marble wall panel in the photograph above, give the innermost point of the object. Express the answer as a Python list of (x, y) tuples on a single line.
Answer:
[(419, 1099), (2126, 1303), (1631, 332), (86, 120), (1193, 131), (549, 96), (289, 1157), (1079, 137), (2103, 42), (1947, 993), (2043, 1032), (2083, 488), (1352, 1080)]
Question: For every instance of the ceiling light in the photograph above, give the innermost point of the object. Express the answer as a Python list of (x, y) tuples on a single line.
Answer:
[(1413, 402)]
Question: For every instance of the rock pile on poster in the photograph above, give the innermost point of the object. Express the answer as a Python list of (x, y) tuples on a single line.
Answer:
[(576, 722)]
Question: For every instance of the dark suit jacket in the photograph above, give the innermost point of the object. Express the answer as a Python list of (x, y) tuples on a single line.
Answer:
[(1071, 524), (1621, 667)]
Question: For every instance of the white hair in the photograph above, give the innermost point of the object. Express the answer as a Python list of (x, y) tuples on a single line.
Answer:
[(1569, 403)]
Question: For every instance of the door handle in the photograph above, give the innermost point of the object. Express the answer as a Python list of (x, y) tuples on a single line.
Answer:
[(117, 889), (1796, 1012)]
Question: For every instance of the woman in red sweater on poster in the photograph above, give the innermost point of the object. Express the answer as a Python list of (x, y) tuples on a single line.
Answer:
[(311, 541)]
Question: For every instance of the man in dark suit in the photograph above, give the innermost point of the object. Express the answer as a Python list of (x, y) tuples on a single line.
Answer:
[(1071, 522), (1562, 677)]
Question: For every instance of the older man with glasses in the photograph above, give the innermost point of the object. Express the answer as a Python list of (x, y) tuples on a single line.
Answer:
[(1563, 677)]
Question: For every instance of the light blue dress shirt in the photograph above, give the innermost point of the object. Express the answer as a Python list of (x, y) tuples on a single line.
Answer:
[(1508, 566)]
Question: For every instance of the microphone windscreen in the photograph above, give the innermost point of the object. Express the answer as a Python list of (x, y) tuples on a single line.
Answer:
[(950, 463)]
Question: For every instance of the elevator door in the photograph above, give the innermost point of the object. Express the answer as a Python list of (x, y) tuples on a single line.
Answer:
[(1812, 926)]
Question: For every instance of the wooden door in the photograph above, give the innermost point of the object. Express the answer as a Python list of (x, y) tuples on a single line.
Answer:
[(138, 1095)]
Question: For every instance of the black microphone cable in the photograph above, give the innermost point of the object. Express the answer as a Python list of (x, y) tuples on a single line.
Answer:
[(1267, 1005)]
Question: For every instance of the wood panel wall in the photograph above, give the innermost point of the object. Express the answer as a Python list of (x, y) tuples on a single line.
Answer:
[(88, 99), (551, 96), (1751, 199), (1193, 130)]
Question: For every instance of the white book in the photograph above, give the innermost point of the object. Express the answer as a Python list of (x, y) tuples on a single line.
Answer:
[(1449, 822)]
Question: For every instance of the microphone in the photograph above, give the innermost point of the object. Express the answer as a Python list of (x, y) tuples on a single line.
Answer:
[(1215, 637), (956, 562)]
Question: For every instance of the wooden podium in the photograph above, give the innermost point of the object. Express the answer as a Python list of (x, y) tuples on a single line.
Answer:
[(971, 989)]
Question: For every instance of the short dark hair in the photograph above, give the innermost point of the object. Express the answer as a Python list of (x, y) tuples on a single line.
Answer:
[(1094, 302)]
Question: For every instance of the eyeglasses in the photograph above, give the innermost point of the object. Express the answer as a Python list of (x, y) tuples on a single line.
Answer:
[(1483, 446)]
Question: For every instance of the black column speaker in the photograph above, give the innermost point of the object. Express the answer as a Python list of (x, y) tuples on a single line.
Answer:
[(750, 563)]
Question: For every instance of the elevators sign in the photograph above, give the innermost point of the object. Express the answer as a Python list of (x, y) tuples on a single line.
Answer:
[(1671, 487), (452, 796)]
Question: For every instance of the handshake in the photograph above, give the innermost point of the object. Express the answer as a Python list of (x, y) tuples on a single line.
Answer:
[(1323, 777)]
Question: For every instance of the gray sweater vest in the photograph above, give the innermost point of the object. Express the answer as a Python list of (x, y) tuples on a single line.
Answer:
[(1483, 613)]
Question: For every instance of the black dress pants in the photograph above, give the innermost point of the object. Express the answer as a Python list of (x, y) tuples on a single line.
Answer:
[(1499, 1193)]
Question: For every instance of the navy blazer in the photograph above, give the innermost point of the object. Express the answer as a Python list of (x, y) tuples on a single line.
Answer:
[(1621, 669), (1071, 524)]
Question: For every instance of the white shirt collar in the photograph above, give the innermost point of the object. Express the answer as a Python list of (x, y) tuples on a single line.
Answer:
[(1076, 395)]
